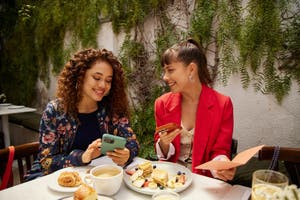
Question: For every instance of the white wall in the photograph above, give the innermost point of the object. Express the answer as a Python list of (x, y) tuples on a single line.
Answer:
[(108, 40), (259, 119)]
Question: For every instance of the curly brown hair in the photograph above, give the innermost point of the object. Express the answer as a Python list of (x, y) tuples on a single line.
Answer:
[(70, 82)]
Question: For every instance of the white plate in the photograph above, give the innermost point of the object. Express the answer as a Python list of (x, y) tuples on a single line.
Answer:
[(171, 168), (99, 197), (5, 104), (15, 107), (53, 184)]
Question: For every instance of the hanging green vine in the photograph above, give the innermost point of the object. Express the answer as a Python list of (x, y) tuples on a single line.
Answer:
[(38, 40), (263, 42), (127, 14), (265, 38)]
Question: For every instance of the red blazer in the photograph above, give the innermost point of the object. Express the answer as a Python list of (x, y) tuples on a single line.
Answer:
[(213, 127)]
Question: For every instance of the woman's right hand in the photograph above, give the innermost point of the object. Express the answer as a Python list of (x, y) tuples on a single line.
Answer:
[(166, 138), (93, 151)]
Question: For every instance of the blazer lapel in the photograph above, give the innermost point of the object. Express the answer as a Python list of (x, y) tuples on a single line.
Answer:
[(173, 109), (203, 126)]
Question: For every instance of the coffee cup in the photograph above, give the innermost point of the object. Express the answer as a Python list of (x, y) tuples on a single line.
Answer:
[(105, 179)]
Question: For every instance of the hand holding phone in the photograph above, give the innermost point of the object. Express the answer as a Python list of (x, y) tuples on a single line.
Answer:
[(111, 142), (169, 127)]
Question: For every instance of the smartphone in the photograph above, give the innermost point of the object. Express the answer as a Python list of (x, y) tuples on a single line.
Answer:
[(111, 142), (167, 127)]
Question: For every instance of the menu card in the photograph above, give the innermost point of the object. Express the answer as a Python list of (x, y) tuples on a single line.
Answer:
[(240, 159)]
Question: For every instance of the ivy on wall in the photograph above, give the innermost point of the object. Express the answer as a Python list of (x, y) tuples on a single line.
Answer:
[(35, 42), (258, 41)]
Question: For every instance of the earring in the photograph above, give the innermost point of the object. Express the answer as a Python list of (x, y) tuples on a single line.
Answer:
[(191, 78)]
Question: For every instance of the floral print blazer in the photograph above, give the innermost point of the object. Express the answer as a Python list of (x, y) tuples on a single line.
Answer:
[(57, 133)]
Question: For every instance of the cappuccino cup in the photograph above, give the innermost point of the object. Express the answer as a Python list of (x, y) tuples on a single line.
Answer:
[(105, 179)]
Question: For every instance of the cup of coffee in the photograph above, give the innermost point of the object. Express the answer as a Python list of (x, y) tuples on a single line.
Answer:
[(106, 179)]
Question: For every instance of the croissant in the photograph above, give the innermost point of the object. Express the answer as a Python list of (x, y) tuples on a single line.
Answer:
[(69, 179)]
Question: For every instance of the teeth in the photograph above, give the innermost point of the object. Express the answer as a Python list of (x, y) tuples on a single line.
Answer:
[(99, 92), (171, 84)]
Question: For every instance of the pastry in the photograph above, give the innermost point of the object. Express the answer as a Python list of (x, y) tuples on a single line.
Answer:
[(167, 127), (69, 179), (85, 192), (160, 176), (146, 167)]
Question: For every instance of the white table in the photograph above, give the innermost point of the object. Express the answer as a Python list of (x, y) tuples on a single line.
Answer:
[(201, 188), (6, 110)]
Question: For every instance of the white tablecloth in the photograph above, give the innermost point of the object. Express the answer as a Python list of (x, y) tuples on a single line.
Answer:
[(201, 188)]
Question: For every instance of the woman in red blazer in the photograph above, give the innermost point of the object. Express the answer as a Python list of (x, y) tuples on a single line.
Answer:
[(204, 115)]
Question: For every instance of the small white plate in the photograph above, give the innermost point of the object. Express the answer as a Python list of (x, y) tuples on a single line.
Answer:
[(15, 107), (171, 168), (99, 197), (53, 184), (5, 104)]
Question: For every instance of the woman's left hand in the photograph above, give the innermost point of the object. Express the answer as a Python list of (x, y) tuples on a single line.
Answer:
[(225, 174), (119, 156)]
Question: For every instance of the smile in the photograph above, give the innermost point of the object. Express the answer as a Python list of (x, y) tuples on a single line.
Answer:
[(99, 92), (171, 84)]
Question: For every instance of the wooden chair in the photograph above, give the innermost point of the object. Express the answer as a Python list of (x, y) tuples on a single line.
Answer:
[(234, 146), (23, 153), (290, 157)]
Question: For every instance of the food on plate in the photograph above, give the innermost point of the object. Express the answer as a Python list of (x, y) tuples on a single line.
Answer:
[(158, 178), (177, 180), (85, 192), (139, 182), (167, 127), (152, 185), (69, 179), (146, 167)]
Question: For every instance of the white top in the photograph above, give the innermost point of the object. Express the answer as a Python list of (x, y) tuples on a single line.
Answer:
[(186, 146)]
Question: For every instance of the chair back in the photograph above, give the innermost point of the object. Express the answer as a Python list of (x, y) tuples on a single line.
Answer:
[(24, 153), (234, 146), (290, 157)]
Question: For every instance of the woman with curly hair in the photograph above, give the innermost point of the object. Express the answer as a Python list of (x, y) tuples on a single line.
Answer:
[(91, 100)]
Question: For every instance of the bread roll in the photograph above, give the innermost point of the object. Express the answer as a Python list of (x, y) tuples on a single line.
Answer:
[(85, 192)]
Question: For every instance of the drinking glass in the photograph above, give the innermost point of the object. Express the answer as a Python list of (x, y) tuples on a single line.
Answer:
[(266, 182)]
